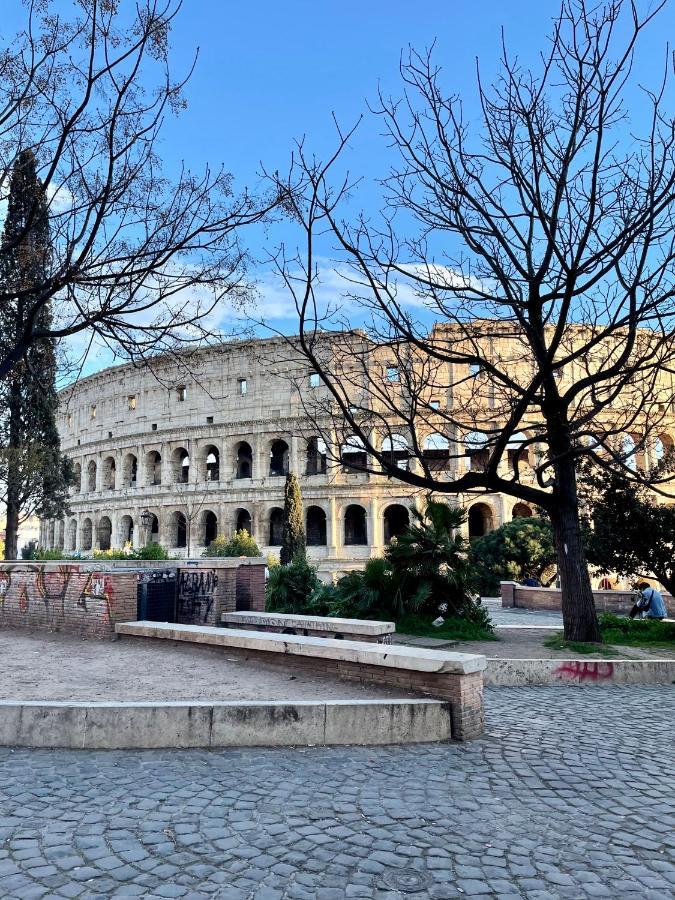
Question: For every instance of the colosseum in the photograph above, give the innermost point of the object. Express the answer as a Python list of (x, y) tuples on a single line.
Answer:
[(178, 454)]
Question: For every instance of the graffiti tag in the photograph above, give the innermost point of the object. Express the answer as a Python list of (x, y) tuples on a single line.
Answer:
[(582, 670), (196, 594)]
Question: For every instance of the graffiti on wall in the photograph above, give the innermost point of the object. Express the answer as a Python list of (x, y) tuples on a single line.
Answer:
[(25, 586), (196, 594), (581, 670)]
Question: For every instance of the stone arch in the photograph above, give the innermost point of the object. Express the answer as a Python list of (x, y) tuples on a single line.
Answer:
[(71, 535), (475, 448), (180, 465), (104, 533), (244, 457), (395, 449), (355, 525), (315, 528), (242, 520), (108, 473), (276, 526), (317, 456), (151, 529), (353, 454), (86, 536), (211, 463), (130, 470), (521, 511), (77, 478), (91, 475), (209, 531), (663, 445), (396, 519), (126, 529), (178, 535), (436, 451), (279, 456), (516, 452), (481, 520), (59, 534), (153, 468)]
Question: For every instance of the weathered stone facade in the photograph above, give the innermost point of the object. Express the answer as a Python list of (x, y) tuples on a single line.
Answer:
[(180, 453)]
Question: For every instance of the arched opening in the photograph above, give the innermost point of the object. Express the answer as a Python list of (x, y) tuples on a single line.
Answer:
[(71, 535), (276, 527), (60, 533), (353, 454), (77, 478), (126, 530), (521, 511), (279, 458), (356, 531), (316, 527), (130, 470), (516, 451), (179, 530), (244, 460), (91, 475), (317, 456), (86, 536), (242, 520), (104, 532), (210, 523), (663, 446), (480, 520), (395, 450), (153, 468), (212, 463), (180, 463), (475, 444), (436, 452), (108, 473), (396, 520), (150, 526)]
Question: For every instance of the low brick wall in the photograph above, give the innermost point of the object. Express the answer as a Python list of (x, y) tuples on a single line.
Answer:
[(620, 602), (83, 599), (88, 598)]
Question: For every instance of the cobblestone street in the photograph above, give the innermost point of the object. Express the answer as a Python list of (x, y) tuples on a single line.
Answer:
[(568, 795)]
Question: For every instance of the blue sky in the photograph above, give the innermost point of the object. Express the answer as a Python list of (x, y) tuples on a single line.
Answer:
[(270, 73)]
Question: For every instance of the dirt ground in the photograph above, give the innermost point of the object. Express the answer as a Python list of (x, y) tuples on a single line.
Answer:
[(44, 666), (529, 644)]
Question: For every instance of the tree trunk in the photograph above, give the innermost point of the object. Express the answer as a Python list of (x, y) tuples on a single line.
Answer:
[(13, 470), (580, 619)]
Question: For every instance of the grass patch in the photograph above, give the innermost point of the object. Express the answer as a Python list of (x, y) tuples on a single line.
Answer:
[(454, 628), (558, 642), (623, 631)]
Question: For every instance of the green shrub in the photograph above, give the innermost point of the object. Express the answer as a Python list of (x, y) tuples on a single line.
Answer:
[(50, 554), (240, 544), (296, 588), (366, 594), (152, 551), (516, 550)]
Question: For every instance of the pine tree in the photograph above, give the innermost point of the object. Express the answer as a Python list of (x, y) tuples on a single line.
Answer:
[(293, 538), (35, 474)]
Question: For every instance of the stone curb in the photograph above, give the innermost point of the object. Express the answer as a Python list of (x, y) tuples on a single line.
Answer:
[(527, 672), (141, 726)]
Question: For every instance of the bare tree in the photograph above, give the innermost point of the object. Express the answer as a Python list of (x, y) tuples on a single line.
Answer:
[(517, 292), (141, 258)]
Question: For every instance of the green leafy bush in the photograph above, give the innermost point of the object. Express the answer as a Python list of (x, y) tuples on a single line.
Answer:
[(296, 588), (366, 594), (50, 554), (240, 544), (152, 551), (523, 548)]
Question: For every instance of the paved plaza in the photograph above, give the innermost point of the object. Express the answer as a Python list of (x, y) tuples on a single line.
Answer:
[(567, 795)]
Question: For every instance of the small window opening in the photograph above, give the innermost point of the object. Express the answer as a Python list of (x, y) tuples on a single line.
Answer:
[(209, 420), (435, 404), (131, 401), (314, 379), (181, 393), (92, 411), (243, 387), (154, 426), (393, 376)]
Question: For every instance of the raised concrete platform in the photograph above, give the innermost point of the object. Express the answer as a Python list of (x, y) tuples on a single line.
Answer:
[(457, 677), (289, 623), (522, 672), (393, 656), (142, 726)]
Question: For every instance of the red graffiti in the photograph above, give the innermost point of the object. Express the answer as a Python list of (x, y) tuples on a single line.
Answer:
[(585, 671)]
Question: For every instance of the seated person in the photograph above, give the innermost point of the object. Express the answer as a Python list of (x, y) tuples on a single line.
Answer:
[(650, 603)]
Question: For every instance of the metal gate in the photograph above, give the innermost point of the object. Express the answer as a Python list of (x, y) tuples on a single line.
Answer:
[(156, 596)]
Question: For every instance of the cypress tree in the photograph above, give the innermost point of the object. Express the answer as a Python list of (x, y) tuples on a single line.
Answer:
[(35, 473), (293, 538)]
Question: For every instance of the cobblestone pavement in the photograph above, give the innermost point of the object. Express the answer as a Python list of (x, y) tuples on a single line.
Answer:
[(568, 795)]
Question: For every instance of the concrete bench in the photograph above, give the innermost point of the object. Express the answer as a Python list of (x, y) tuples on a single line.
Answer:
[(314, 626), (455, 677)]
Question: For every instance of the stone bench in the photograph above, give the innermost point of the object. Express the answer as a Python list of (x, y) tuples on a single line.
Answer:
[(455, 677), (314, 626)]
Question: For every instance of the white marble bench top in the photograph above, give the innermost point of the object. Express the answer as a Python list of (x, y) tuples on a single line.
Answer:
[(416, 659), (313, 623)]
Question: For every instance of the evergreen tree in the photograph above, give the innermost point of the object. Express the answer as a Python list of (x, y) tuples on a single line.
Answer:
[(35, 474), (293, 538)]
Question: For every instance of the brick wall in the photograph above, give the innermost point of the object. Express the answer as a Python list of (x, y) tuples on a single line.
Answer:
[(67, 597), (619, 602)]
